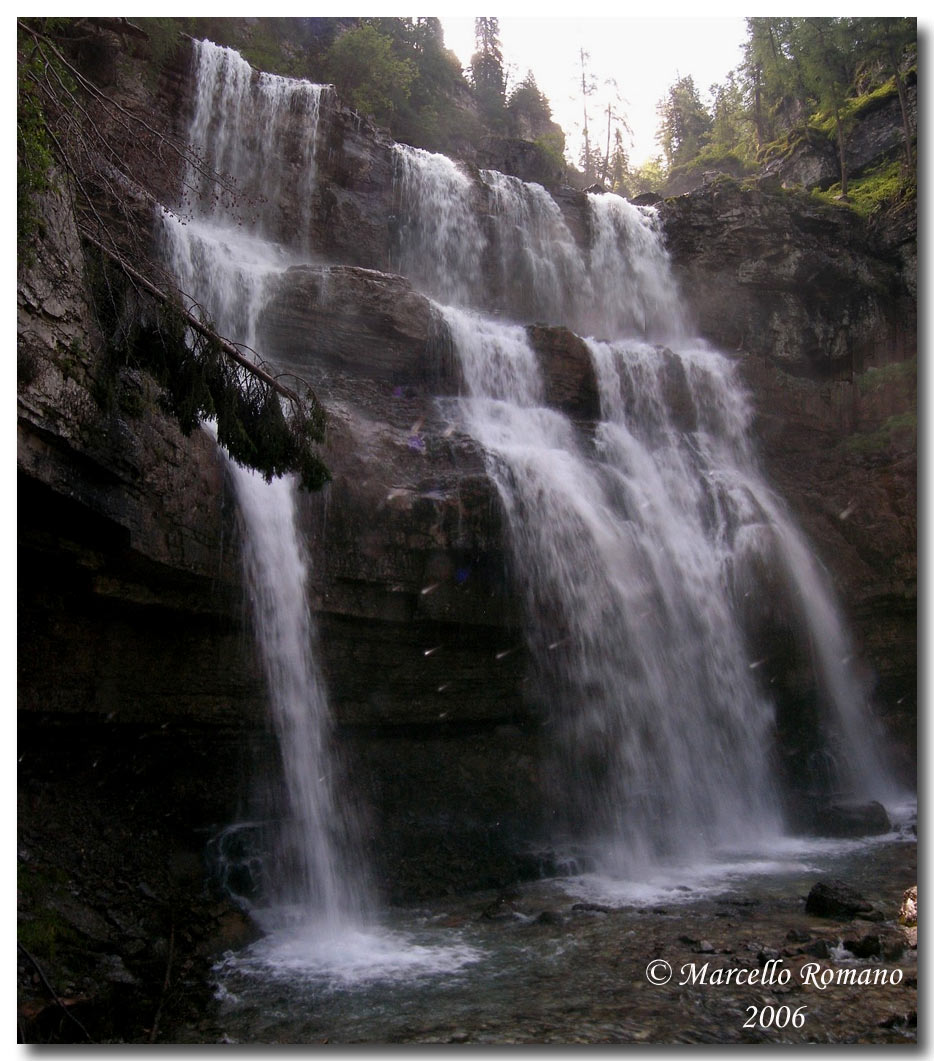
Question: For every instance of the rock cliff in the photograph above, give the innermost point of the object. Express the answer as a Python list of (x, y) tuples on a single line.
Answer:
[(131, 613)]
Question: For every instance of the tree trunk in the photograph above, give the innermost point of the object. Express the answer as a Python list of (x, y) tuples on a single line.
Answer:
[(903, 103), (841, 149)]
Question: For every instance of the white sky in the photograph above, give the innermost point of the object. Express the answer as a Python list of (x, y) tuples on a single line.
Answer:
[(644, 55)]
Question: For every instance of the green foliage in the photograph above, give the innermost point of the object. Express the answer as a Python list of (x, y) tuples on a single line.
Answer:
[(486, 71), (367, 74), (713, 159), (552, 145), (800, 79), (874, 379), (685, 124), (881, 187), (165, 39), (201, 382), (895, 430), (855, 108), (33, 149), (651, 176), (528, 110), (41, 929), (430, 117)]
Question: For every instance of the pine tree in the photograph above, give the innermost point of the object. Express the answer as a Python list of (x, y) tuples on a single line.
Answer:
[(684, 123), (486, 69)]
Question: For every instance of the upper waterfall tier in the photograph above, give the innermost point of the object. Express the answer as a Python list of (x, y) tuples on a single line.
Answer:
[(483, 240)]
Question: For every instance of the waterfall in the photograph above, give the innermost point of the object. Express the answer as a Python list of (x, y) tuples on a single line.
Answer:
[(440, 242), (229, 269), (255, 137), (660, 737), (646, 544), (630, 548), (327, 881), (503, 245)]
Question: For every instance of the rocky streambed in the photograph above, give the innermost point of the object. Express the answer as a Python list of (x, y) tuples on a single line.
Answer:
[(724, 952)]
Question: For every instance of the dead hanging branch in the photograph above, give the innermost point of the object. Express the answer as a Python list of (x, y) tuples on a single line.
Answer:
[(119, 166), (53, 994), (55, 66), (199, 326)]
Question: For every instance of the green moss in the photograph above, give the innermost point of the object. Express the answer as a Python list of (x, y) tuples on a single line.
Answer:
[(729, 163), (883, 186), (878, 441), (33, 160), (855, 108), (874, 379), (41, 929)]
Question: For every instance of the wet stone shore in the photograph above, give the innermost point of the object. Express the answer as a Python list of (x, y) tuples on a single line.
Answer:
[(551, 964)]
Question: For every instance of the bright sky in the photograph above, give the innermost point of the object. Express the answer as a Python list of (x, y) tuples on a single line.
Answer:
[(645, 56)]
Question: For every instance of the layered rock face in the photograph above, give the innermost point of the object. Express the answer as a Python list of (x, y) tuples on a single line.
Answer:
[(131, 605)]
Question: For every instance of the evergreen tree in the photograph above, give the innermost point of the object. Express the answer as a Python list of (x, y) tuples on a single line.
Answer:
[(618, 177), (824, 49), (486, 70), (684, 123), (528, 109), (729, 120), (366, 72)]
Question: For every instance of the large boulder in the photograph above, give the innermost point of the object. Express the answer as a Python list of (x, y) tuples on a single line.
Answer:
[(356, 320), (835, 899)]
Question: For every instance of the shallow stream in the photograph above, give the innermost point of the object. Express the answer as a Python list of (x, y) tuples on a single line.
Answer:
[(565, 961)]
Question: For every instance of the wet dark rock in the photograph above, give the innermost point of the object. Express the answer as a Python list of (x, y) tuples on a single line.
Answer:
[(783, 277), (850, 819), (893, 947), (501, 909), (568, 372), (520, 158), (864, 947), (359, 320), (112, 969), (909, 1020), (591, 908), (549, 917), (794, 936), (835, 899), (230, 929), (870, 915), (704, 947), (812, 161)]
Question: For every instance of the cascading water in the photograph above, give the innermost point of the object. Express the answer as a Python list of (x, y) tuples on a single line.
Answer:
[(255, 136), (634, 545), (326, 878), (320, 914), (629, 549), (441, 245), (660, 736), (228, 269)]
